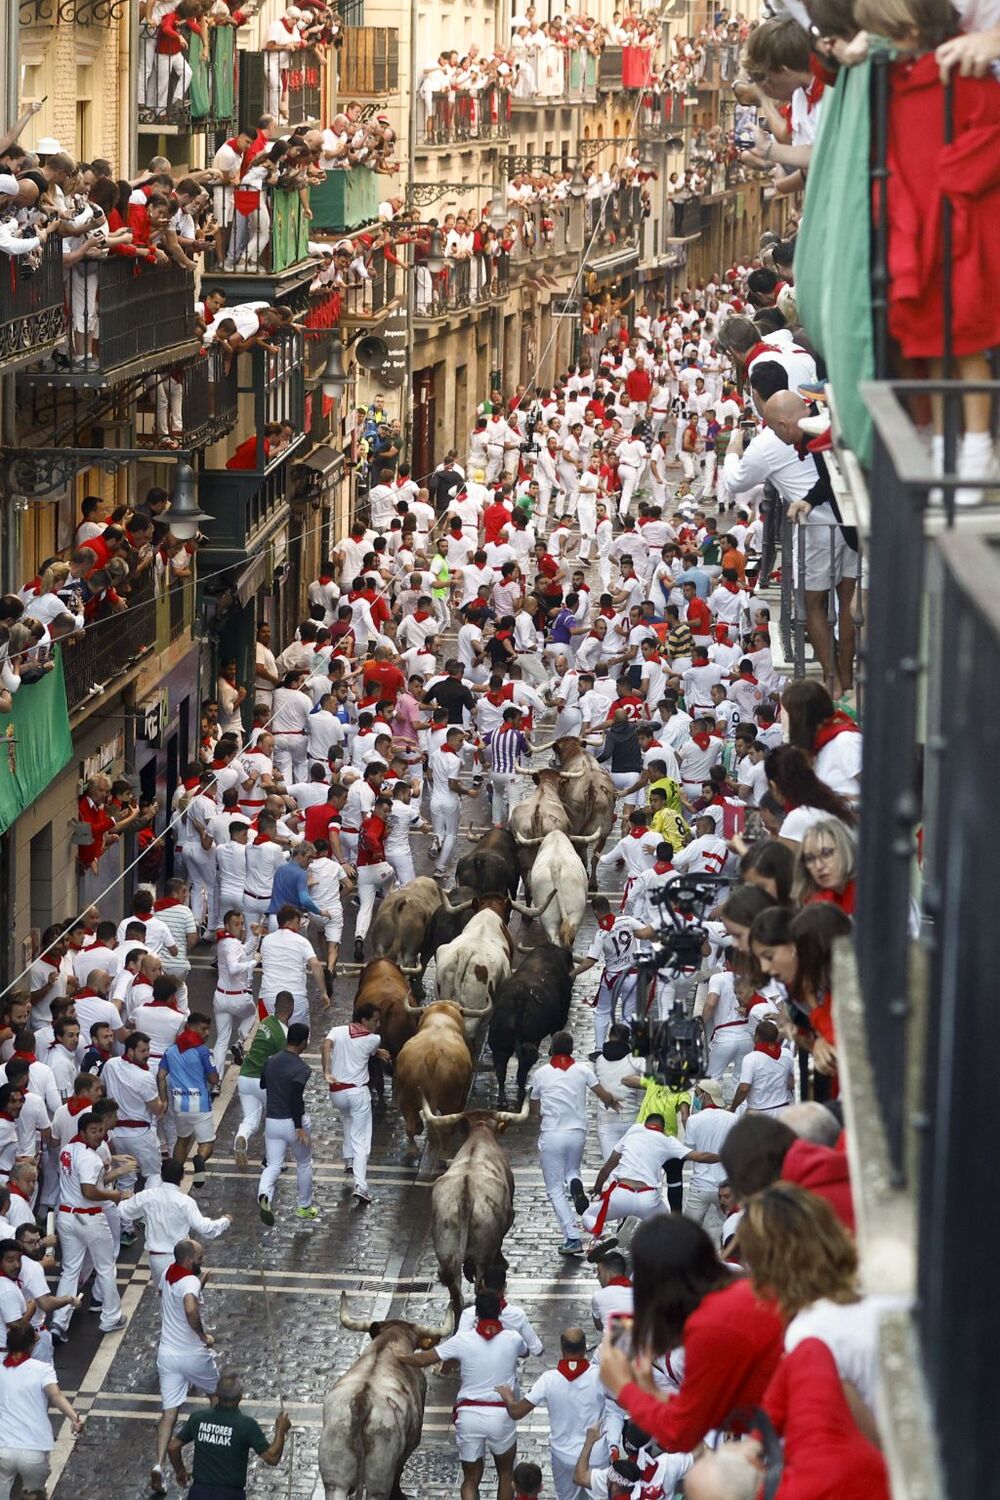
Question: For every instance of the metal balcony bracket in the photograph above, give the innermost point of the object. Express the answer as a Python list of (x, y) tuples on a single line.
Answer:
[(40, 472)]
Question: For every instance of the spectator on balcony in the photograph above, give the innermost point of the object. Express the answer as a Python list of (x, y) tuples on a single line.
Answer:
[(92, 810), (94, 510), (284, 37), (173, 40), (228, 165)]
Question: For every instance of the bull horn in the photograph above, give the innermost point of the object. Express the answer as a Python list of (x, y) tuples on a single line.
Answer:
[(533, 911), (582, 838), (475, 1015), (537, 749), (573, 775), (522, 949), (480, 828), (519, 1118), (519, 838), (429, 1118), (461, 906), (443, 1331), (354, 1325), (413, 1010), (408, 969)]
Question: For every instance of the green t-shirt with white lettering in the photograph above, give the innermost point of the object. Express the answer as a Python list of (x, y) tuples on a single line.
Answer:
[(222, 1438)]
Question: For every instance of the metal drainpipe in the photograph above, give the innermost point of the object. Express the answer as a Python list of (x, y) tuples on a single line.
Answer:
[(411, 279), (10, 521)]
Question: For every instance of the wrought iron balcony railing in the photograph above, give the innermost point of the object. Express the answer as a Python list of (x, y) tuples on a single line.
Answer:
[(32, 305), (191, 89), (294, 92), (456, 117)]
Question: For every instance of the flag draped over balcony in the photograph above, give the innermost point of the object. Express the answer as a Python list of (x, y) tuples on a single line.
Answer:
[(35, 743), (833, 250)]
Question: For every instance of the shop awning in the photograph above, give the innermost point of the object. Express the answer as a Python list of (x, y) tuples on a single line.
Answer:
[(324, 459), (252, 577), (615, 263)]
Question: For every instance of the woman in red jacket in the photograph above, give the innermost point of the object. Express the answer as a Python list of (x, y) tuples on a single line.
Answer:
[(684, 1295)]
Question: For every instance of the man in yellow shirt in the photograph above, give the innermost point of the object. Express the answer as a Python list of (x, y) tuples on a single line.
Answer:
[(665, 820)]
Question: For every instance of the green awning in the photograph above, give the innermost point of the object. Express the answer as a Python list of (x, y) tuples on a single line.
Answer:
[(35, 743), (833, 250)]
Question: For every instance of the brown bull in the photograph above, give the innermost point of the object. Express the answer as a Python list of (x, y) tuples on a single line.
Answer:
[(402, 920), (436, 1065), (541, 813), (384, 984), (587, 793)]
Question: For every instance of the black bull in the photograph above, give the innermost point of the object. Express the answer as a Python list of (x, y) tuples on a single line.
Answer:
[(529, 1006)]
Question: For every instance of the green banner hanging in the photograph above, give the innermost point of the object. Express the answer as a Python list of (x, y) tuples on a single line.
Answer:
[(35, 743)]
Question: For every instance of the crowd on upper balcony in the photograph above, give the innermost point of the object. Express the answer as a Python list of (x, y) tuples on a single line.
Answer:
[(119, 555)]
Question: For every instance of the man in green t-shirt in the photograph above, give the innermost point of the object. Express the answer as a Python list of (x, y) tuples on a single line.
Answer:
[(268, 1039), (222, 1438)]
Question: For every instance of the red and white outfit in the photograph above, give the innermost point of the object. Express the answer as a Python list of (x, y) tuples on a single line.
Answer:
[(574, 1398), (84, 1231), (24, 1421), (706, 1129), (770, 1072), (561, 1086), (614, 944), (731, 1038), (487, 1359), (375, 873), (291, 708), (351, 1047), (182, 1360), (133, 1089), (263, 858), (233, 1002), (616, 1300), (643, 1153)]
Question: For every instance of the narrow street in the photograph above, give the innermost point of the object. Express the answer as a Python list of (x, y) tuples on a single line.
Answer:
[(272, 1294)]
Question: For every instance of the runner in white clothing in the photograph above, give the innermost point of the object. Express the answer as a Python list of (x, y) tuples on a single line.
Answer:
[(487, 1355), (559, 1093), (766, 1074), (613, 945), (83, 1227), (574, 1398), (346, 1054), (184, 1356), (628, 1184), (236, 956), (131, 1083)]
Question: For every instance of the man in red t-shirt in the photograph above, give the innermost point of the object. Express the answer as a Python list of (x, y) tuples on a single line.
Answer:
[(91, 809), (639, 385), (699, 616), (381, 676)]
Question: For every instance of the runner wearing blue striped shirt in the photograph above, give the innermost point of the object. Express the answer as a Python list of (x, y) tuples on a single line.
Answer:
[(508, 748)]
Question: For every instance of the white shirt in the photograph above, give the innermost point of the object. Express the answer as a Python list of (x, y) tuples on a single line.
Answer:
[(444, 766), (850, 1332), (615, 946), (169, 1216), (611, 1302), (13, 1305), (132, 1088), (24, 1406), (838, 763), (512, 1315), (644, 1153), (767, 457), (284, 957), (262, 860), (326, 875), (231, 866), (573, 1406), (78, 1166), (770, 1080), (706, 1129), (237, 962), (89, 959), (563, 1096), (485, 1363), (177, 1337), (795, 823), (349, 1055)]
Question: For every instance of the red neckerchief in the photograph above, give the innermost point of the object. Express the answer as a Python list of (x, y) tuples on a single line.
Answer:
[(217, 765), (498, 696), (561, 1061), (75, 1104), (837, 723), (177, 1273), (356, 1029), (638, 833), (702, 740), (619, 1281), (661, 866), (488, 1328), (163, 1004), (18, 1194), (814, 93), (649, 1125), (53, 963), (11, 1361), (166, 902), (326, 578), (607, 922), (711, 1104), (769, 1049), (87, 994), (133, 1064), (187, 1039), (6, 1115), (264, 838), (420, 615), (572, 1369), (747, 677), (730, 587), (28, 1057), (190, 782)]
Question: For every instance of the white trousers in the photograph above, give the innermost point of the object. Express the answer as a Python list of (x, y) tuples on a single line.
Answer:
[(444, 820), (702, 1205), (252, 1100), (401, 860), (561, 1156), (563, 1483), (169, 405), (505, 792), (31, 1465), (80, 1236), (249, 239), (200, 866), (371, 880), (166, 68), (629, 476), (230, 1010), (625, 1203), (291, 757), (728, 1047), (610, 1130), (355, 1109), (586, 515), (279, 1139), (144, 1144), (625, 1001)]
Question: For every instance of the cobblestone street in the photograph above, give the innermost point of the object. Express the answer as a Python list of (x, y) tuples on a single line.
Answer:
[(272, 1294)]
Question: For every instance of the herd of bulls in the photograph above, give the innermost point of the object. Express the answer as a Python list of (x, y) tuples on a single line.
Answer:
[(373, 1416)]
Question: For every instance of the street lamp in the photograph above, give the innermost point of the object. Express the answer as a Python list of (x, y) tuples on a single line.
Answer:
[(334, 378), (498, 212), (184, 518), (578, 183)]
